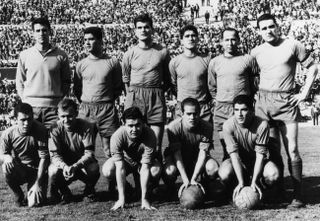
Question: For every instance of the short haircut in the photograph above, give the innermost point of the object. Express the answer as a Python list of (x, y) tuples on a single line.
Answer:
[(132, 113), (233, 30), (188, 28), (190, 102), (243, 99), (66, 103), (266, 17), (42, 21), (145, 18), (95, 31), (24, 108)]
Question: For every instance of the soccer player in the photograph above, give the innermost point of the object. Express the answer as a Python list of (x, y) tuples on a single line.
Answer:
[(25, 157), (277, 58), (97, 84), (71, 146), (132, 148), (229, 75), (43, 74), (189, 73), (190, 139), (146, 76), (247, 137)]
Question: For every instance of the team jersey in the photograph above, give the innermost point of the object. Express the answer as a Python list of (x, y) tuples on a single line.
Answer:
[(189, 76), (278, 64), (146, 67), (98, 80), (189, 141), (231, 76), (27, 148), (134, 152), (246, 140), (72, 147)]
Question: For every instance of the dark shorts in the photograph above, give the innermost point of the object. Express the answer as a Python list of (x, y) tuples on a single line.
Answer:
[(222, 112), (150, 101), (205, 111), (275, 106), (46, 115), (104, 115)]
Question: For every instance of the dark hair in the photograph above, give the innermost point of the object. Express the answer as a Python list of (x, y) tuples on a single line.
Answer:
[(42, 21), (132, 113), (23, 108), (190, 102), (266, 17), (66, 103), (95, 31), (243, 99), (233, 30), (145, 18), (188, 28)]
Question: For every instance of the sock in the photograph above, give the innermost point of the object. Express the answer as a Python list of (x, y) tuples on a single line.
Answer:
[(296, 175)]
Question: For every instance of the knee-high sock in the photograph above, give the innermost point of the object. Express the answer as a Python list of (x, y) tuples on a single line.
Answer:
[(295, 168)]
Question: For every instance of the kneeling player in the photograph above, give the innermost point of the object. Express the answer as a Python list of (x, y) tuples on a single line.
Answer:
[(190, 139), (132, 149), (71, 146), (246, 137), (24, 153)]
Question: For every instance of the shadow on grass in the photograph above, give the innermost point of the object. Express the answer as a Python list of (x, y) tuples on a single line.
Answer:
[(311, 190)]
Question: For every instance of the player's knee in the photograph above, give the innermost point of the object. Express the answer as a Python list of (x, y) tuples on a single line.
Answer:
[(52, 170), (170, 173), (156, 169), (109, 169), (271, 173), (226, 171), (212, 168), (93, 169)]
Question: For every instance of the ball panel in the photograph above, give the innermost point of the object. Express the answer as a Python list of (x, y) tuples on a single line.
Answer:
[(247, 198)]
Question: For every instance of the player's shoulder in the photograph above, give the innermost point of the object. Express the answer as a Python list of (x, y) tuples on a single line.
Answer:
[(175, 124), (229, 124), (261, 122), (9, 132)]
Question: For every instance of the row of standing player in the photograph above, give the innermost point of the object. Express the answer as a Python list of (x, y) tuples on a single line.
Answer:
[(147, 72)]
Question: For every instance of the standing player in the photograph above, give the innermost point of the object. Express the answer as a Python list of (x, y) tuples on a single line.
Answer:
[(146, 77), (246, 138), (98, 83), (189, 73), (25, 157), (71, 146), (132, 148), (190, 139), (229, 75), (43, 74), (277, 59)]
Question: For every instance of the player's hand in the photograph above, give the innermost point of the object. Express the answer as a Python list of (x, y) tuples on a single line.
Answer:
[(182, 187), (296, 99), (118, 205), (68, 172), (146, 205), (193, 182), (37, 191), (237, 190), (8, 163), (255, 187)]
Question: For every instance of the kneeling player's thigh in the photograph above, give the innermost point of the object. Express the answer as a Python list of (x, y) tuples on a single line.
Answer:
[(211, 167), (170, 168), (109, 168), (226, 171), (270, 173)]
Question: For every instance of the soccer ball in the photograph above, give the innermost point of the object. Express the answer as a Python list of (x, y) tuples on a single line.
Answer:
[(247, 198), (192, 197)]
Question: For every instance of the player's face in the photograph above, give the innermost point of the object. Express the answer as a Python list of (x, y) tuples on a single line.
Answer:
[(241, 113), (143, 31), (191, 116), (67, 117), (133, 128), (41, 34), (230, 42), (189, 39), (269, 30), (91, 43), (24, 122)]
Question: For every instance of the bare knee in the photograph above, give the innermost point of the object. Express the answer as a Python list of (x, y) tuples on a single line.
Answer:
[(226, 171), (109, 168), (52, 170), (212, 168), (155, 169), (271, 173)]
